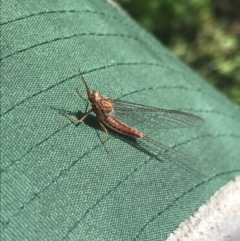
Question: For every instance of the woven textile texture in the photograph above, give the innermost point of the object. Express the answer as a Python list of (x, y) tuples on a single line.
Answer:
[(57, 181)]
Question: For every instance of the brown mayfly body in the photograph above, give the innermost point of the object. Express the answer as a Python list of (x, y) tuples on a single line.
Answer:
[(113, 113)]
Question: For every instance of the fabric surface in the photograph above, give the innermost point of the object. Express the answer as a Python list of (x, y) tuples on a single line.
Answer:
[(57, 181)]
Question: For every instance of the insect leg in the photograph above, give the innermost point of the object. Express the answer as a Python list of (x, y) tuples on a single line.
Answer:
[(74, 118), (106, 135)]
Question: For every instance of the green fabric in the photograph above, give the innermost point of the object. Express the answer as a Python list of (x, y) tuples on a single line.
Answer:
[(57, 181)]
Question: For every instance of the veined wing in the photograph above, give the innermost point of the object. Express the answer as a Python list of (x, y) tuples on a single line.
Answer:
[(147, 117)]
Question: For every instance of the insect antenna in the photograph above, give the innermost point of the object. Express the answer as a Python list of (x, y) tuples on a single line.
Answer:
[(86, 86)]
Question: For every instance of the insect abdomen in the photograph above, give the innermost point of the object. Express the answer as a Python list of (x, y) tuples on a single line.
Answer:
[(122, 128)]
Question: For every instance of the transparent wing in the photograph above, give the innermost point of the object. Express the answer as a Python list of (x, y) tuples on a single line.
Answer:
[(146, 117)]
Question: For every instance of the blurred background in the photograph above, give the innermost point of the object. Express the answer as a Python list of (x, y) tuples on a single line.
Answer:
[(203, 33)]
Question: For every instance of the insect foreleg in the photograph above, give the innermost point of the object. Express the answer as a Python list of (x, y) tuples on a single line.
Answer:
[(74, 118)]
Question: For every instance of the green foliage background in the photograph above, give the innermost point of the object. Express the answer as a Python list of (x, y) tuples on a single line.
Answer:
[(203, 33)]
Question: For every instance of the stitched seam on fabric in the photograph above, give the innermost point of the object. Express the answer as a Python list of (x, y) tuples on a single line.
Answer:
[(74, 36), (136, 169), (178, 198), (132, 92), (208, 136), (75, 162), (174, 146), (34, 147), (127, 94), (211, 112), (162, 87), (66, 11), (104, 196), (113, 17), (62, 172), (86, 72), (182, 88)]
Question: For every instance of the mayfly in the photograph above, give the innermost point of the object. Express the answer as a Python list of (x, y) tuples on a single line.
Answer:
[(113, 113)]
